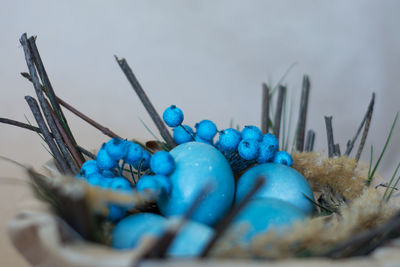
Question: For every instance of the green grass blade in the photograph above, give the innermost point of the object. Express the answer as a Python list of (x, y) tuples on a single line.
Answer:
[(393, 188), (283, 78), (369, 180), (391, 181), (370, 160)]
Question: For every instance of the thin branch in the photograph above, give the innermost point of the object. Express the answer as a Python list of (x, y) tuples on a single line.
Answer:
[(310, 141), (146, 101), (305, 93), (278, 112), (226, 221), (95, 124), (329, 132), (50, 91), (366, 128), (265, 108), (350, 143), (46, 133)]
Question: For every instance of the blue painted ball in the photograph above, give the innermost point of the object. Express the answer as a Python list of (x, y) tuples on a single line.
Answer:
[(162, 163), (197, 165), (173, 116), (263, 215), (281, 182)]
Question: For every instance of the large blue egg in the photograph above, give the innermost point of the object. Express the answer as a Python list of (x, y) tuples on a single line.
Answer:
[(281, 182), (262, 215), (189, 241), (197, 165)]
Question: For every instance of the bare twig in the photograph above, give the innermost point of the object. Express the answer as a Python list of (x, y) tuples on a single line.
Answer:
[(265, 109), (310, 141), (278, 112), (301, 125), (366, 128), (329, 132), (224, 223), (46, 134), (146, 101), (95, 124), (350, 143), (50, 92), (337, 150)]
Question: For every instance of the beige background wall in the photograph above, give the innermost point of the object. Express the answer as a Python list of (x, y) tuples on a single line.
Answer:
[(208, 57)]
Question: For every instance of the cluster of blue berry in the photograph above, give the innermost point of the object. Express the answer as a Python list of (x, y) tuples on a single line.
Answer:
[(242, 149)]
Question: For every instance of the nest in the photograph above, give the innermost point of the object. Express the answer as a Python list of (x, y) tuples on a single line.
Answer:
[(353, 219)]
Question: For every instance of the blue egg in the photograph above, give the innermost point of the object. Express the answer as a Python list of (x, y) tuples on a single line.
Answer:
[(281, 182), (197, 165), (129, 231), (263, 215), (189, 241)]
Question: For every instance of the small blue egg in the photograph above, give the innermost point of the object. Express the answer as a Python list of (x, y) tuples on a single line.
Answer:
[(281, 182), (262, 215), (189, 241), (129, 231), (197, 165)]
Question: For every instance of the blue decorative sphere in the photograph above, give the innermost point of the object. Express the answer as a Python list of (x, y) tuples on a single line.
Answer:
[(88, 168), (281, 182), (206, 130), (266, 153), (162, 163), (116, 148), (271, 141), (282, 157), (181, 135), (229, 140), (159, 184), (134, 153), (248, 149), (197, 165), (252, 132), (263, 215), (104, 161), (144, 162), (173, 116)]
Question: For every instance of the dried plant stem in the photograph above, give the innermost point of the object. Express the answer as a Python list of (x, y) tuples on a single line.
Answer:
[(310, 141), (75, 154), (366, 128), (278, 112), (224, 223), (146, 101), (46, 134), (265, 108), (350, 143), (301, 125), (95, 124), (48, 89), (329, 132)]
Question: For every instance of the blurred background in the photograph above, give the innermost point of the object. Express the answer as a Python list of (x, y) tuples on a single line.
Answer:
[(207, 57)]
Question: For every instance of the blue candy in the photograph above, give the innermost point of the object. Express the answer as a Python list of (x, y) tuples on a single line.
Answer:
[(181, 135), (281, 182), (206, 130), (198, 165), (173, 116), (162, 163)]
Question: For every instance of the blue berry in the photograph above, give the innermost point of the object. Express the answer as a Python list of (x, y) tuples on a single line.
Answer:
[(108, 173), (181, 136), (162, 163), (282, 157), (88, 168), (201, 140), (115, 212), (251, 132), (266, 152), (206, 130), (248, 149), (116, 148), (104, 161), (95, 179), (134, 153), (144, 161), (229, 140), (173, 116), (272, 141), (120, 183), (159, 184)]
